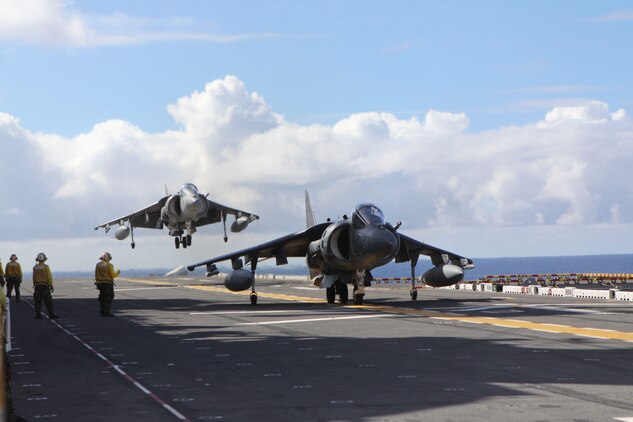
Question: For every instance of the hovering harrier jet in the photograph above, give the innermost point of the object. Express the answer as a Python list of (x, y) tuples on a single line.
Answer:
[(181, 213)]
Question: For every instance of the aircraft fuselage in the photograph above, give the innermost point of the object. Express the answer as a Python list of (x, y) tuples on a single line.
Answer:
[(350, 245), (181, 211)]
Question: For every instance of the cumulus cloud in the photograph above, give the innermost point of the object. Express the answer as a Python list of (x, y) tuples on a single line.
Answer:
[(591, 112), (566, 169), (57, 22)]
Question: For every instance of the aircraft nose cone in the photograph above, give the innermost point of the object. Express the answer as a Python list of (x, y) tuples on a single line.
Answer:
[(384, 243), (375, 246)]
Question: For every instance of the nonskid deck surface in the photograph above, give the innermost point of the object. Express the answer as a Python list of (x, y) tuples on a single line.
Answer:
[(187, 349)]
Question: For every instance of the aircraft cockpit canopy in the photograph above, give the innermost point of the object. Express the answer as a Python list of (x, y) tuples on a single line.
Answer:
[(190, 187), (367, 214)]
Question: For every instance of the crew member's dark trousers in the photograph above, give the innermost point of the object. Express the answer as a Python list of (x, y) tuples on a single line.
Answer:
[(43, 292), (106, 296), (11, 283)]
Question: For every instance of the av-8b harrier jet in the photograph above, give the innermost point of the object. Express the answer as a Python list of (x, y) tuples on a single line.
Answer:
[(342, 253), (181, 213)]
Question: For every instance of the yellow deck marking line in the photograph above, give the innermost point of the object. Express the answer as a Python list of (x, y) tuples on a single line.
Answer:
[(248, 293), (597, 333), (134, 280)]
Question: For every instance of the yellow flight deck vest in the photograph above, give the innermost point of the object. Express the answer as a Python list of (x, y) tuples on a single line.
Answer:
[(104, 272), (42, 274), (13, 269)]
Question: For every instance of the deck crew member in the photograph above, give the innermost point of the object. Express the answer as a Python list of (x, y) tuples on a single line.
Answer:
[(43, 287), (104, 279), (13, 276)]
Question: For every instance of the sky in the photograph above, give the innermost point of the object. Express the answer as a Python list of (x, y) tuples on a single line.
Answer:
[(489, 128)]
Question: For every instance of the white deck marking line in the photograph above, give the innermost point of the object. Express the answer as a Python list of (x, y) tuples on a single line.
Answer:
[(529, 306), (157, 399), (288, 311), (432, 314), (624, 419), (293, 321), (243, 312)]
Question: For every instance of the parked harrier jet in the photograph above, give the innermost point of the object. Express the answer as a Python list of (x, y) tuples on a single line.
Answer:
[(180, 213), (343, 252)]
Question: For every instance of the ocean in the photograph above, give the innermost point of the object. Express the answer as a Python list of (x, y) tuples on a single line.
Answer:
[(483, 267), (527, 265)]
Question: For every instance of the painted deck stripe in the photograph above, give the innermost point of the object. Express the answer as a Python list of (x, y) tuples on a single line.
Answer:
[(155, 282), (292, 321), (597, 333), (157, 399), (144, 288)]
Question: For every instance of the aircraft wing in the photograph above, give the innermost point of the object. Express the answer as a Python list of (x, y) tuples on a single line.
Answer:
[(216, 210), (292, 245), (412, 249), (148, 217)]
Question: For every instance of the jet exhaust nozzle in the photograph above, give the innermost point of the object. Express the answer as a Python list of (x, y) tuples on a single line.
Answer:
[(443, 275), (122, 232), (239, 280), (240, 224)]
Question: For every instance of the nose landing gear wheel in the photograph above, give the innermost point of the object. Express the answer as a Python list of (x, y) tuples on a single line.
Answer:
[(341, 289), (330, 294)]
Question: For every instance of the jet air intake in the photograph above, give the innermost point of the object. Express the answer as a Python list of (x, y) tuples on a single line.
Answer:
[(239, 280), (443, 275)]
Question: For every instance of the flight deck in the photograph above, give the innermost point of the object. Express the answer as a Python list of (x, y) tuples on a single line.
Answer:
[(187, 349)]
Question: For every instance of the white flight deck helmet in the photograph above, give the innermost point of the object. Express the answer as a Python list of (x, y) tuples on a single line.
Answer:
[(41, 257), (106, 257)]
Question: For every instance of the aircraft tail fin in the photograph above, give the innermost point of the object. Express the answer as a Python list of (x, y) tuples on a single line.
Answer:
[(310, 220)]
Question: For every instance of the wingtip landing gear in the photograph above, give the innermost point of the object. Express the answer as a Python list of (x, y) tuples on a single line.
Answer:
[(133, 245), (414, 294), (253, 298)]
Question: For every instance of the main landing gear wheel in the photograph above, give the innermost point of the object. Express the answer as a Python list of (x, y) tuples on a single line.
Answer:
[(188, 238), (330, 294), (177, 242), (253, 298), (414, 294), (358, 299), (341, 289), (183, 241)]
